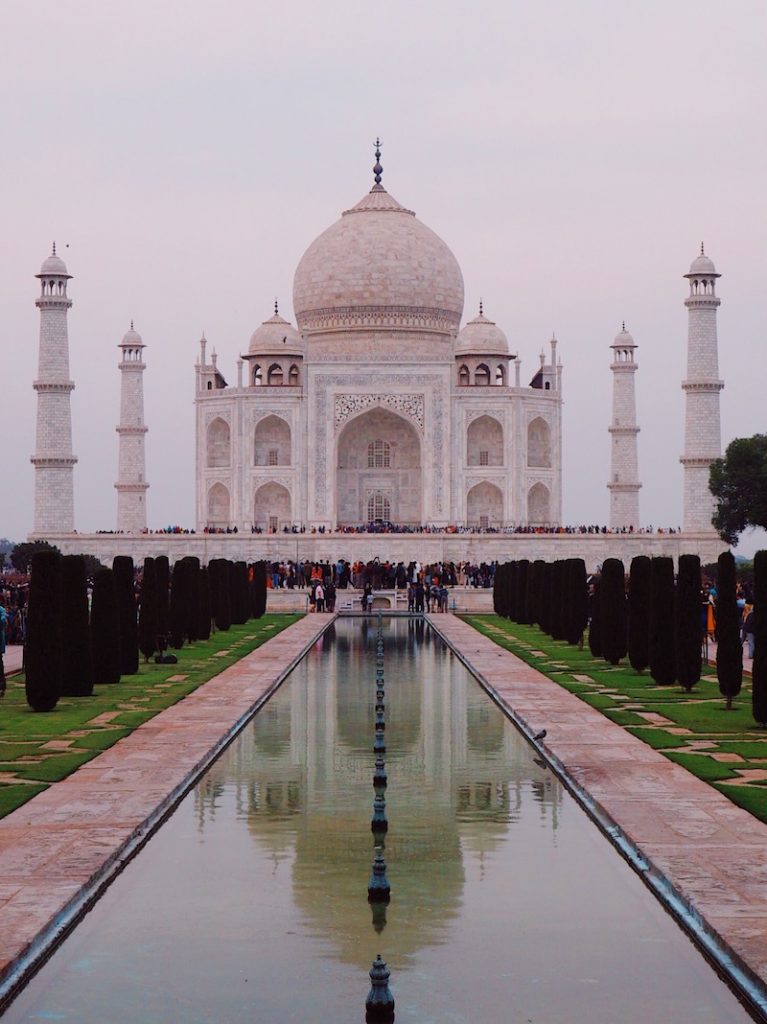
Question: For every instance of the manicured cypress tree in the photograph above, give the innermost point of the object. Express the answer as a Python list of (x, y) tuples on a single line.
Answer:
[(579, 601), (759, 670), (147, 615), (43, 650), (223, 590), (639, 613), (77, 665), (729, 647), (240, 610), (512, 590), (162, 575), (122, 567), (259, 589), (555, 613), (497, 589), (661, 632), (523, 572), (105, 628), (613, 611), (595, 618), (544, 608), (688, 632), (192, 604), (179, 602), (533, 587), (214, 568), (204, 610)]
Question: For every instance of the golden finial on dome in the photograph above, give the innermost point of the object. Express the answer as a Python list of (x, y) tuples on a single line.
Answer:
[(377, 168), (276, 308), (481, 308)]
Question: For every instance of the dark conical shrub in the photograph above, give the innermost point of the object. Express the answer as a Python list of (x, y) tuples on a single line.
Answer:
[(192, 603), (578, 587), (203, 608), (239, 593), (639, 613), (122, 567), (43, 649), (179, 603), (497, 589), (544, 606), (595, 617), (105, 628), (729, 647), (77, 665), (147, 616), (661, 644), (557, 604), (689, 635), (512, 590), (533, 583), (223, 592), (162, 576), (259, 589), (612, 603), (759, 669), (523, 574)]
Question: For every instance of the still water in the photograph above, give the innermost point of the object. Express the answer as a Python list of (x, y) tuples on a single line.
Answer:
[(250, 903)]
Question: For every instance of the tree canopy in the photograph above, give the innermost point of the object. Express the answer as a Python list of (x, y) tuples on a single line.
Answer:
[(739, 483)]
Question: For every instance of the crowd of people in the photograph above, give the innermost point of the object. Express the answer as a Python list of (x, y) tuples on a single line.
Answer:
[(386, 575), (410, 528)]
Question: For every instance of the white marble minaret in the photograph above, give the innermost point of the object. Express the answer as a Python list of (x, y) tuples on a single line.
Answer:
[(53, 459), (624, 466), (131, 483), (702, 432)]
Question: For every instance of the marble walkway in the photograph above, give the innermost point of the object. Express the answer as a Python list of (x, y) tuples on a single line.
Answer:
[(699, 845), (76, 834)]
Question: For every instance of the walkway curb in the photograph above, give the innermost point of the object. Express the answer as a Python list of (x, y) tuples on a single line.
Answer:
[(689, 910), (37, 913)]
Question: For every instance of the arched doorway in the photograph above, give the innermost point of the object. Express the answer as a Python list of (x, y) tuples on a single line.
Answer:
[(271, 507), (484, 442), (378, 467), (484, 506), (218, 507), (539, 505), (272, 442)]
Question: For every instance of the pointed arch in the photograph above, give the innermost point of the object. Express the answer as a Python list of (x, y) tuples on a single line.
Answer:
[(293, 375), (484, 442), (539, 505), (500, 375), (539, 443), (258, 376), (272, 442), (272, 506), (482, 374), (219, 506), (484, 505), (464, 377), (218, 443), (274, 376)]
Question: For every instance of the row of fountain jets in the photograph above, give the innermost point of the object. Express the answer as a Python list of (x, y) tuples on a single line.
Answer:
[(379, 1005)]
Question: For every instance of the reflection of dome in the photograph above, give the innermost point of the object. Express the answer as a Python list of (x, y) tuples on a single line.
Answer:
[(275, 335), (483, 337), (702, 264), (378, 268)]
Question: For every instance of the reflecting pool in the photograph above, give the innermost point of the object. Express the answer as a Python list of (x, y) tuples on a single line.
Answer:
[(250, 903)]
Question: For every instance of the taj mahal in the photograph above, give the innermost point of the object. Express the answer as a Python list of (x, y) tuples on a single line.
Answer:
[(376, 407)]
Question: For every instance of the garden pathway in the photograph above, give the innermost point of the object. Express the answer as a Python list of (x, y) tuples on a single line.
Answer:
[(58, 846), (713, 853)]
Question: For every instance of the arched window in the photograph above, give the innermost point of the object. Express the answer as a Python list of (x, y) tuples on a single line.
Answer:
[(218, 443), (210, 385), (482, 374), (275, 374), (379, 507), (463, 376), (293, 375), (272, 442), (218, 506), (258, 377), (500, 376), (539, 443), (379, 454), (538, 505)]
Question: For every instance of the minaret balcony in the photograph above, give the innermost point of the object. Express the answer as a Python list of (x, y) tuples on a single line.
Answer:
[(703, 386), (54, 386), (53, 461)]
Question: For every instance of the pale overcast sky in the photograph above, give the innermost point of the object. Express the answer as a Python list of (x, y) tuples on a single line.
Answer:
[(572, 153)]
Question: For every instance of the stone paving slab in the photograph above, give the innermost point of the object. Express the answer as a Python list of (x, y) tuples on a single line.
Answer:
[(713, 853), (56, 847)]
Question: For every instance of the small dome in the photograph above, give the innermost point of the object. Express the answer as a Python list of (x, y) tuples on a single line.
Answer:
[(702, 265), (54, 265), (275, 335), (132, 339), (623, 339), (483, 337)]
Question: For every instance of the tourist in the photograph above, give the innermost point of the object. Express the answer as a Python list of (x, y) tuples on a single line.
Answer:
[(319, 597), (3, 620), (748, 632)]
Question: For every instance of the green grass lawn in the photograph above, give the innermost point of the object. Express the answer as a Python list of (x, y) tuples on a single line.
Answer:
[(39, 748), (735, 746)]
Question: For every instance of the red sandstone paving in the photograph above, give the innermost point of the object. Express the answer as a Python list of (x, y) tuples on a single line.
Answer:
[(54, 845), (714, 853)]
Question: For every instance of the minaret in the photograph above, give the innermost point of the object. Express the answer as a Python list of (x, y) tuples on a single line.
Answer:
[(131, 485), (702, 433), (53, 459), (624, 466)]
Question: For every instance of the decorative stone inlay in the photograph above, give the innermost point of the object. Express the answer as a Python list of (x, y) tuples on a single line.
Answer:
[(409, 405), (406, 318), (474, 414)]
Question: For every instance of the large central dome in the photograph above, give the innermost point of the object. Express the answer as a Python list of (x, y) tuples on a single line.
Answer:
[(378, 268)]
